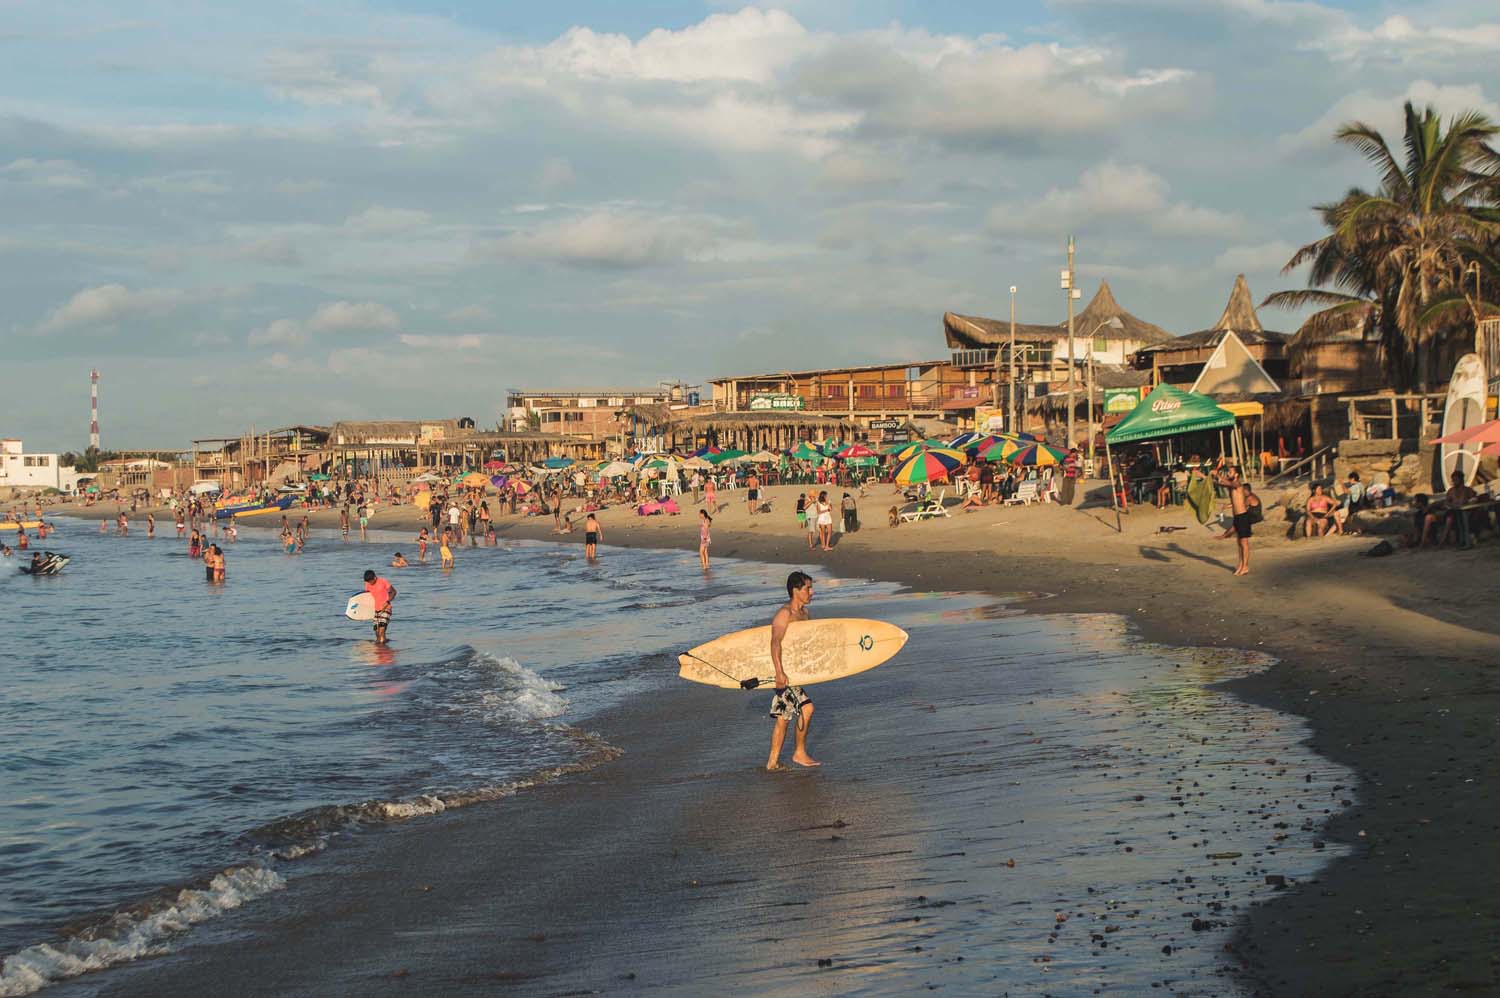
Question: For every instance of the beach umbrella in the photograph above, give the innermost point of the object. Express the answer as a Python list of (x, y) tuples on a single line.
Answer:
[(906, 452), (667, 464), (428, 476), (698, 463), (317, 476), (1004, 450), (498, 481), (558, 463), (614, 469), (521, 485), (474, 480), (934, 465), (707, 450), (831, 447), (762, 457), (422, 500), (726, 455), (856, 450), (493, 465), (964, 440), (1038, 455), (806, 452), (862, 462)]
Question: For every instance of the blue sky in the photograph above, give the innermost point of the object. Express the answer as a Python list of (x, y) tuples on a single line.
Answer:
[(287, 212)]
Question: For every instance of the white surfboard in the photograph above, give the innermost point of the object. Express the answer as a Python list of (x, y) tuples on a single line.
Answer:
[(1463, 408), (361, 607), (813, 651)]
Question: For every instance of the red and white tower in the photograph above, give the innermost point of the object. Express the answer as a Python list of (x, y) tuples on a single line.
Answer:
[(94, 410)]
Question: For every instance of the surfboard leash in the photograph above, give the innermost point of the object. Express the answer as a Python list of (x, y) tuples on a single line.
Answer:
[(745, 684)]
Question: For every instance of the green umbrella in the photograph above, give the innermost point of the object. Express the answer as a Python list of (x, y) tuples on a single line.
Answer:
[(722, 456), (806, 452)]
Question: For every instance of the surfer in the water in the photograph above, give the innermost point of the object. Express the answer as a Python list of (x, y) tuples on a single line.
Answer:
[(790, 703), (384, 594)]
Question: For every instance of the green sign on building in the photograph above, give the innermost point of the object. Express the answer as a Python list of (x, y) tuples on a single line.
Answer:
[(762, 402)]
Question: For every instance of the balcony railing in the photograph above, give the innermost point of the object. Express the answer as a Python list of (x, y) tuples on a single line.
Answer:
[(866, 403)]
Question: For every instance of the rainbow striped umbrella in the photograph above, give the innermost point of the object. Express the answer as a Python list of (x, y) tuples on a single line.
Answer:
[(906, 452), (1038, 455), (934, 465), (966, 440)]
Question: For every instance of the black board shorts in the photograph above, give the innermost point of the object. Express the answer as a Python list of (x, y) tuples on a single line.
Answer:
[(1243, 524), (590, 538)]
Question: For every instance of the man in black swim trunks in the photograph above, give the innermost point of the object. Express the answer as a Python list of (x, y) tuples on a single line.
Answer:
[(1239, 505), (592, 533), (790, 702)]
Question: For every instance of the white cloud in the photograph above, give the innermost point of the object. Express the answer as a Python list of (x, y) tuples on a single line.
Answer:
[(334, 317), (556, 174), (61, 174), (287, 331), (618, 238), (184, 182), (342, 316), (1113, 193), (1384, 114), (109, 304), (379, 220), (1259, 257), (844, 171), (279, 362), (470, 313), (355, 360), (467, 341)]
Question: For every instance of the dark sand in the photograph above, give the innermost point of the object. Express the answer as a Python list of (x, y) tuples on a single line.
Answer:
[(1393, 661)]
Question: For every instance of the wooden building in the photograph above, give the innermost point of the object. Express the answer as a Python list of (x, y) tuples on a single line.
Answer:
[(269, 456), (1180, 361)]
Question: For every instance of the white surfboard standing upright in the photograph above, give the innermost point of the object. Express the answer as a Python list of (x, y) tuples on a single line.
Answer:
[(1464, 407), (812, 651)]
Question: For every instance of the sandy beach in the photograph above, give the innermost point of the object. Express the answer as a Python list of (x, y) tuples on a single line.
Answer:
[(1391, 660)]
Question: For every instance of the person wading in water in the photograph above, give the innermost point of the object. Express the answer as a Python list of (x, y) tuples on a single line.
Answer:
[(790, 703)]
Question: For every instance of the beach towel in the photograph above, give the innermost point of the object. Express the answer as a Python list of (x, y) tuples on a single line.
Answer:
[(1200, 496)]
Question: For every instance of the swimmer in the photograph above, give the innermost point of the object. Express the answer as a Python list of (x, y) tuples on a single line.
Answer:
[(422, 546), (399, 561), (592, 535)]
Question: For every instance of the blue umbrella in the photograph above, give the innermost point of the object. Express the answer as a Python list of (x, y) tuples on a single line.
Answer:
[(558, 462)]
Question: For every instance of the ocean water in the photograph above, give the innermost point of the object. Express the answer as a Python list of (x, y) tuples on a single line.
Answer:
[(172, 747), (1073, 810)]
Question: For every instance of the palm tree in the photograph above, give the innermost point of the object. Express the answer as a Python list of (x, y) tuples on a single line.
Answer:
[(1394, 261)]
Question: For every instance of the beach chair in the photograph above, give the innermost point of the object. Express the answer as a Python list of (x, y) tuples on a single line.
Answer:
[(1026, 494), (927, 509)]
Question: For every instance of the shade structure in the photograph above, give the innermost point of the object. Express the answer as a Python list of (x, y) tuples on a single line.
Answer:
[(474, 480), (1169, 412), (498, 481), (664, 463), (555, 463), (964, 440), (856, 451), (862, 462), (1038, 455), (831, 447), (1004, 449), (806, 452), (493, 465), (707, 451), (698, 463), (726, 455), (428, 476), (317, 476), (934, 465), (615, 469), (1479, 433), (762, 457)]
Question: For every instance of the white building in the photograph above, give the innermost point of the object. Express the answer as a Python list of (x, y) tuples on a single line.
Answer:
[(20, 470)]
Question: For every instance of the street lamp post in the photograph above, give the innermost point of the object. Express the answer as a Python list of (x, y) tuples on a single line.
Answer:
[(1010, 412), (1072, 293)]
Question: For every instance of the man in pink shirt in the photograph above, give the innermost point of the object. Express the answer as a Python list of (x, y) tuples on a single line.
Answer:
[(384, 594)]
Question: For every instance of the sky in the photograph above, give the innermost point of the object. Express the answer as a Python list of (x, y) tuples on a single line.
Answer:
[(288, 212)]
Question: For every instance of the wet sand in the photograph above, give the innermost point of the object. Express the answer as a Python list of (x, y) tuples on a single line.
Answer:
[(1392, 660)]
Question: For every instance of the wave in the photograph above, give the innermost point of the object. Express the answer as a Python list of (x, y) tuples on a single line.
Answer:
[(134, 933), (490, 690)]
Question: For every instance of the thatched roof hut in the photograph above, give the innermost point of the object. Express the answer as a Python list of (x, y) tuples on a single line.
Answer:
[(1239, 316), (969, 332), (392, 431)]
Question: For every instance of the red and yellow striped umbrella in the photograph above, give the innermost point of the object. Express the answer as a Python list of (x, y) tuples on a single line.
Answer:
[(931, 465)]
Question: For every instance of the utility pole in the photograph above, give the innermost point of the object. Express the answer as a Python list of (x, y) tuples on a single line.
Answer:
[(1067, 283), (1010, 412)]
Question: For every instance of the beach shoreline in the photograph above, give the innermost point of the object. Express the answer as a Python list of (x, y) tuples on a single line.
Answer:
[(1391, 661)]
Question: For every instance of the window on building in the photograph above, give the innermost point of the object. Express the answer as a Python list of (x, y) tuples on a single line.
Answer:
[(573, 417), (552, 417), (1101, 345), (895, 391), (867, 391), (838, 391)]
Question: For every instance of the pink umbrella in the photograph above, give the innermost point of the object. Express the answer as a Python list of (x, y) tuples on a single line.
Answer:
[(1484, 433), (493, 465)]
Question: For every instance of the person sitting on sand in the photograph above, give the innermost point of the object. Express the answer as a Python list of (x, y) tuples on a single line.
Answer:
[(1319, 512), (399, 561)]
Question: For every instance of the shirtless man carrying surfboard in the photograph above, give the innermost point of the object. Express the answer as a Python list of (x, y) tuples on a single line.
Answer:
[(790, 702)]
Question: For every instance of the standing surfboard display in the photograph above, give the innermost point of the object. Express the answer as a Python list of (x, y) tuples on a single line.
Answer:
[(361, 607), (812, 651), (1464, 408)]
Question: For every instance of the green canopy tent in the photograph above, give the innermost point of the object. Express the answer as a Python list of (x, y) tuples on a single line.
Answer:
[(1166, 412)]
